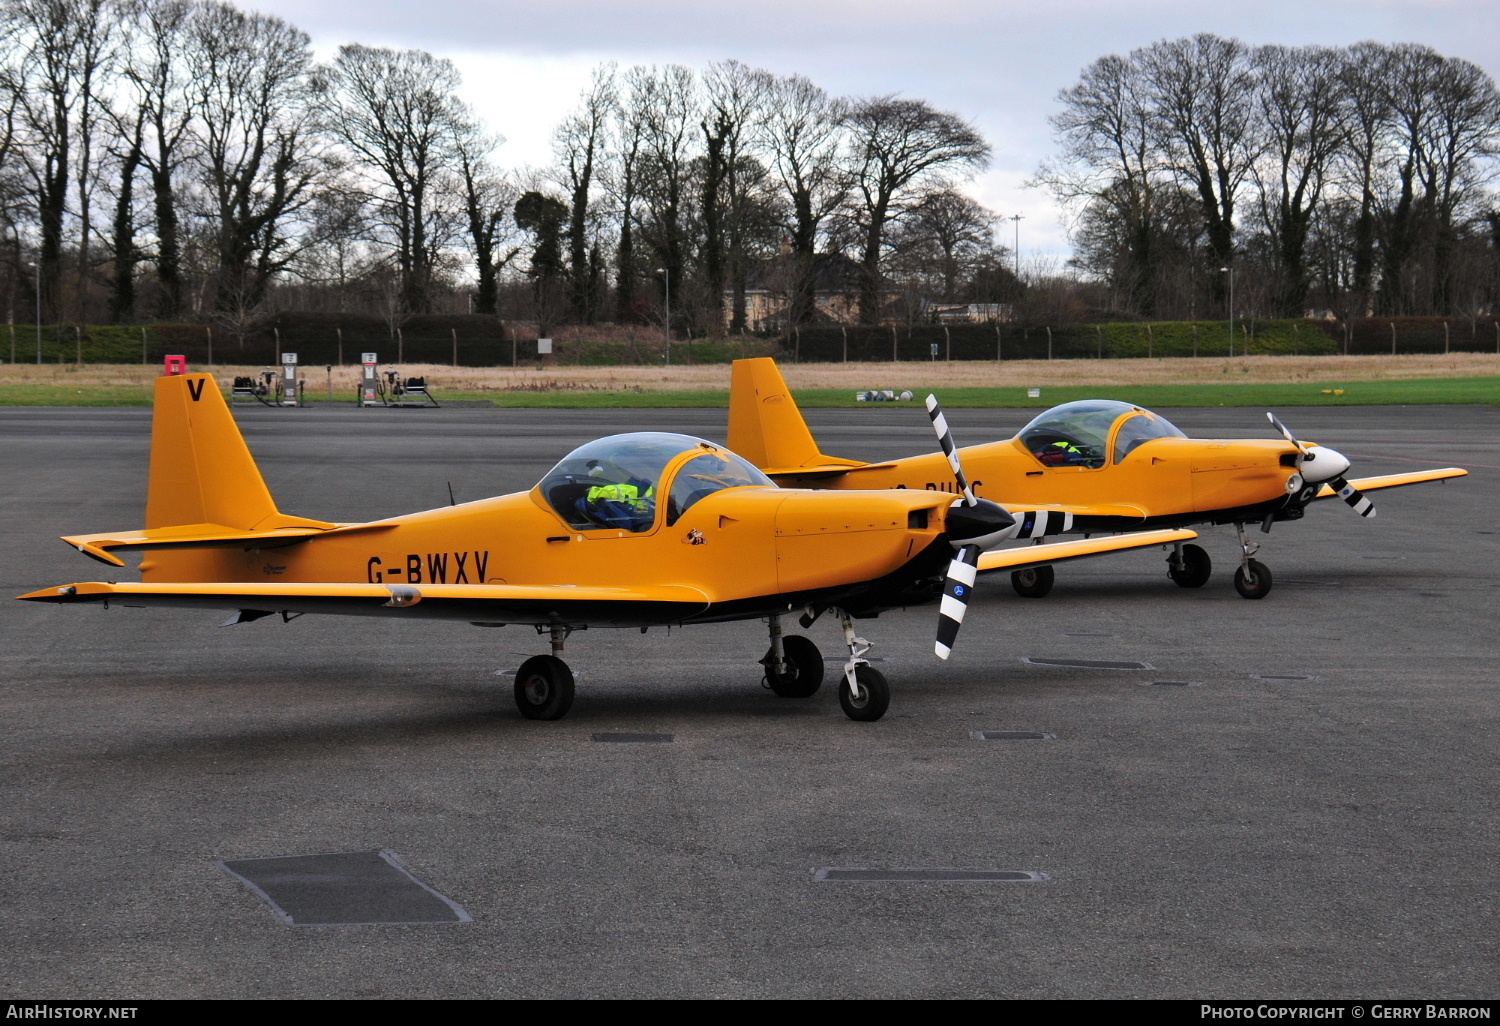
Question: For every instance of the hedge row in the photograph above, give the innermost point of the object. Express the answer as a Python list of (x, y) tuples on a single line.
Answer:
[(484, 342)]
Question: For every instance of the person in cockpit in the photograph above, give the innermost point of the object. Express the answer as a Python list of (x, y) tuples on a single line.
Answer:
[(629, 504)]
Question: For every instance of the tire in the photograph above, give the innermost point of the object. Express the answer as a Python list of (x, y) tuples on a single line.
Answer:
[(804, 668), (1253, 580), (544, 688), (1196, 568), (1033, 583), (875, 695)]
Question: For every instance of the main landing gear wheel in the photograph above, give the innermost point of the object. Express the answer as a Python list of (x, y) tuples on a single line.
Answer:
[(874, 695), (1195, 570), (1034, 582), (544, 688), (1253, 580), (804, 668)]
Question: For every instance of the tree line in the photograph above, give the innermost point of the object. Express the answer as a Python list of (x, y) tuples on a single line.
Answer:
[(1350, 179), (172, 159)]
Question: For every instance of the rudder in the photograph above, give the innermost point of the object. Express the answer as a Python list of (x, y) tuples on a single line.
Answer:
[(765, 425)]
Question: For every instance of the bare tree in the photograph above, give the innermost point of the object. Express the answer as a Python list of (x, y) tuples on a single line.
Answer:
[(62, 49), (663, 103), (1202, 93), (579, 144), (1302, 107), (396, 112), (801, 131), (489, 199), (258, 158), (900, 148), (1112, 166)]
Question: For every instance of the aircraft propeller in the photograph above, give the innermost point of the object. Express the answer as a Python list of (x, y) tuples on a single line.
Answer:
[(1325, 464), (974, 525)]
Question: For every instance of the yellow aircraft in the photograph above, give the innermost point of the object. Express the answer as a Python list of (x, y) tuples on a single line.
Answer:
[(635, 530), (1095, 466)]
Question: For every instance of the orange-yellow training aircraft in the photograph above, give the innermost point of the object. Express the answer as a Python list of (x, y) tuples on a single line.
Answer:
[(1095, 466), (634, 530)]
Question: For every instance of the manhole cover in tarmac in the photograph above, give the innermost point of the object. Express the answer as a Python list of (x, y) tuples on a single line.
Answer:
[(1011, 735), (929, 875), (639, 739), (1089, 664), (1174, 683), (1283, 676), (348, 888)]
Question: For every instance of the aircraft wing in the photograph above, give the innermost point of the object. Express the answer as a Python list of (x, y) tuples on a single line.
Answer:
[(1023, 557), (1370, 484), (488, 603)]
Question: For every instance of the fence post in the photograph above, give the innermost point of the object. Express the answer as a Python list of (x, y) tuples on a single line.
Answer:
[(1195, 338), (1393, 338), (455, 346), (210, 329), (400, 347), (999, 356), (78, 342), (1150, 343), (1445, 338), (340, 332), (143, 345), (1296, 337), (1099, 339), (894, 354), (845, 329), (1049, 342), (797, 351), (13, 337), (948, 349), (277, 332)]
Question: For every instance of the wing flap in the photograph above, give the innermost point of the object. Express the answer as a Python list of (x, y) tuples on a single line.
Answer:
[(1023, 557), (1370, 484)]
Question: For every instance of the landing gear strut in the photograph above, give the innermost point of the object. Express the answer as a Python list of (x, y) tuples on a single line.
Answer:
[(1189, 566), (544, 684), (863, 693), (794, 666), (1253, 578), (1034, 582)]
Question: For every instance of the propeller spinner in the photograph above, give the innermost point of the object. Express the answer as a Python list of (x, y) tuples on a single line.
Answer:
[(1325, 464)]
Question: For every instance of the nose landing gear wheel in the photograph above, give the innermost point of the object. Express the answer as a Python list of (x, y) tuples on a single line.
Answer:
[(804, 668), (1033, 583), (1253, 580), (874, 695), (544, 688), (1195, 570)]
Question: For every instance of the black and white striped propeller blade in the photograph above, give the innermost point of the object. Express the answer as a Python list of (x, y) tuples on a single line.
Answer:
[(956, 588), (1353, 496), (945, 439)]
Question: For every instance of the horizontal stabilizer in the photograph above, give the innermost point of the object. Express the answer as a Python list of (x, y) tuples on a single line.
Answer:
[(192, 536), (1023, 557), (1370, 484), (526, 604)]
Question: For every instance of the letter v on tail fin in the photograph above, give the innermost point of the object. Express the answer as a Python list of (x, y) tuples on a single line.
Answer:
[(766, 427)]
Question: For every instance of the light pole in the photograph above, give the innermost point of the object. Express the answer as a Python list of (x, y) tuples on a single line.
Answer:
[(1230, 271), (667, 324), (1017, 219), (38, 266)]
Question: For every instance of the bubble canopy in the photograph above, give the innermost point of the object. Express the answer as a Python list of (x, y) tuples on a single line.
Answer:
[(1088, 432), (616, 481)]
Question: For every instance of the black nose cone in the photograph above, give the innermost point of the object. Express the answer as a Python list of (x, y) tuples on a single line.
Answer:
[(966, 523)]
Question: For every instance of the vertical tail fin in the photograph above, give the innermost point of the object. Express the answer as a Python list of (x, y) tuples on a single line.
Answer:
[(765, 425), (201, 470)]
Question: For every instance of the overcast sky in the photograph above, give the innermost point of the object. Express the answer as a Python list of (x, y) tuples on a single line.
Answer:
[(999, 63)]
